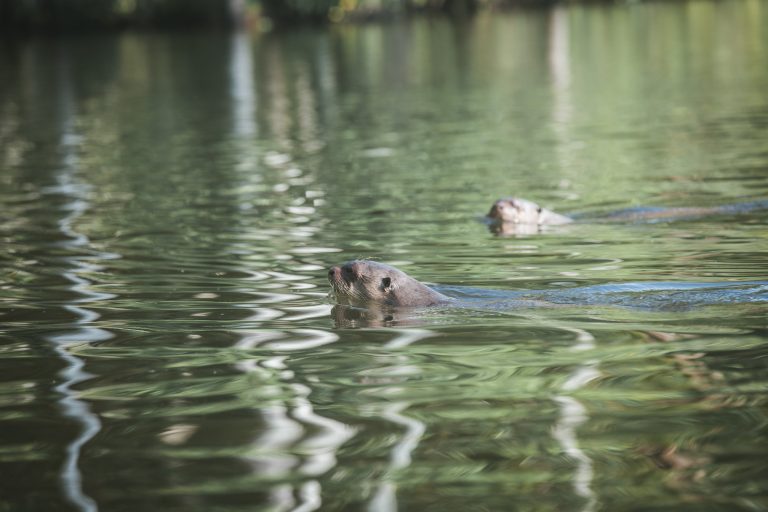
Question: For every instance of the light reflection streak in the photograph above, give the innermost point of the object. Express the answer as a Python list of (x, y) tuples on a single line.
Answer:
[(280, 120), (315, 338), (283, 498), (385, 499), (414, 430), (295, 314), (406, 337), (242, 85), (310, 494), (305, 108), (263, 297), (322, 445), (559, 60), (76, 195), (560, 67), (294, 426), (262, 314), (572, 415)]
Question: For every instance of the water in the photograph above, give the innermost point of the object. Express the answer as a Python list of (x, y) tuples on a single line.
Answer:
[(170, 205)]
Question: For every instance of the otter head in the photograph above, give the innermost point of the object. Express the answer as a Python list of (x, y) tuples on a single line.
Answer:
[(361, 282), (365, 283), (515, 211)]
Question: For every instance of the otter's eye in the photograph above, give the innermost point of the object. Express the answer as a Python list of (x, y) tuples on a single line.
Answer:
[(538, 210), (386, 282)]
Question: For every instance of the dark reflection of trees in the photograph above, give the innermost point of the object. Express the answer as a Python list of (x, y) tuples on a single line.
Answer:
[(79, 15)]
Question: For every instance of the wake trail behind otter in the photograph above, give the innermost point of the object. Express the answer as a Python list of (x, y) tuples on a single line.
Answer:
[(652, 214), (652, 295)]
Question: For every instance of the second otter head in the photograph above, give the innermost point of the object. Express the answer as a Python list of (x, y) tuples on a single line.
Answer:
[(515, 211)]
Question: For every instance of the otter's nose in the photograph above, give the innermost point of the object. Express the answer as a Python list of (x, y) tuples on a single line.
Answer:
[(334, 273)]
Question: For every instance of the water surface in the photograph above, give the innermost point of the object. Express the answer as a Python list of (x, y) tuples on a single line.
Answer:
[(169, 205)]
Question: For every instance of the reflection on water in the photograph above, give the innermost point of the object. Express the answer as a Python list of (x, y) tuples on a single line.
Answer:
[(385, 497), (74, 372), (573, 415), (170, 202), (74, 264), (242, 91)]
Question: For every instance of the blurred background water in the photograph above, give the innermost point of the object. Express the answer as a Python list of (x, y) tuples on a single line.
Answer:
[(169, 204)]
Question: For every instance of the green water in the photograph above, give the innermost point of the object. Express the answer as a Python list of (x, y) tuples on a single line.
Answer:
[(169, 205)]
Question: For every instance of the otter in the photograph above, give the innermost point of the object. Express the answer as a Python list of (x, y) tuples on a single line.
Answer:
[(514, 215), (515, 210), (365, 282), (372, 294)]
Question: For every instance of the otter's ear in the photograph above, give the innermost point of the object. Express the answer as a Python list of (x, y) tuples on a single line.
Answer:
[(386, 283)]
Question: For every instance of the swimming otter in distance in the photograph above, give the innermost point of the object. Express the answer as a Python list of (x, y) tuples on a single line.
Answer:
[(514, 215), (364, 282), (515, 210)]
